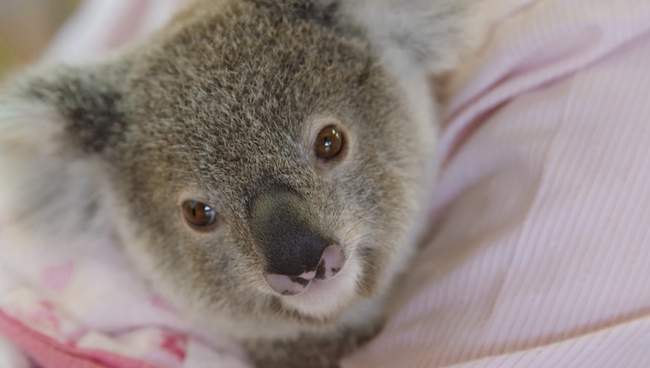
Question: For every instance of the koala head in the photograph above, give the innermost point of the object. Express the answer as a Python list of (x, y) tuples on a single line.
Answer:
[(259, 160)]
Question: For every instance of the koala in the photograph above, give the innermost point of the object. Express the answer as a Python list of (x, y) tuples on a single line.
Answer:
[(264, 164)]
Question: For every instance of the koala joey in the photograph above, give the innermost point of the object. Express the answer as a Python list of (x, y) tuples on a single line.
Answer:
[(264, 164)]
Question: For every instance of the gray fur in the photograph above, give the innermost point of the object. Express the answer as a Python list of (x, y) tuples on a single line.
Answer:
[(219, 107)]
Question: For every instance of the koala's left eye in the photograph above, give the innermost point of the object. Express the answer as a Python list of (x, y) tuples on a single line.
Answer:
[(329, 142), (199, 215)]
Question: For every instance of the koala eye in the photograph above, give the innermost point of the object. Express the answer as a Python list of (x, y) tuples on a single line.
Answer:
[(199, 214), (329, 142)]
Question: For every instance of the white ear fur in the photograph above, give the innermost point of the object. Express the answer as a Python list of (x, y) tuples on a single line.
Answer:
[(44, 192), (416, 35)]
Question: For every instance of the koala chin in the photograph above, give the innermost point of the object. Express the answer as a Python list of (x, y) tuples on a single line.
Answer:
[(264, 164)]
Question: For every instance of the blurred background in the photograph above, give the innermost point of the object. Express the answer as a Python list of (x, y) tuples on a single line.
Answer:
[(26, 27)]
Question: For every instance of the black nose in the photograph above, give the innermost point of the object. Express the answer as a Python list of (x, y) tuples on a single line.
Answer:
[(294, 243)]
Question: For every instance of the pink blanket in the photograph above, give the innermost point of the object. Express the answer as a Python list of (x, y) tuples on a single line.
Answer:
[(539, 254)]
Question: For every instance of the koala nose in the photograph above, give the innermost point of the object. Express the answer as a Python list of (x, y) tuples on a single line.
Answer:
[(293, 242), (328, 266)]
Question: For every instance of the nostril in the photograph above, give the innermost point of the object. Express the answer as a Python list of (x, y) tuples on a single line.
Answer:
[(330, 264), (287, 285)]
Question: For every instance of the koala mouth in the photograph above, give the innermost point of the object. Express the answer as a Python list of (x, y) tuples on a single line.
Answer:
[(329, 265)]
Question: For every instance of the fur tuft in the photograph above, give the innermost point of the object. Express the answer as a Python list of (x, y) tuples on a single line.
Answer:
[(48, 188), (425, 35)]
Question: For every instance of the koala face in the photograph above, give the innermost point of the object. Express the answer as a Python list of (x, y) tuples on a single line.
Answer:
[(259, 160), (238, 127)]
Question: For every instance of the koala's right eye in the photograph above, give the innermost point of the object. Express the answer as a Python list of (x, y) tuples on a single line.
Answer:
[(199, 215)]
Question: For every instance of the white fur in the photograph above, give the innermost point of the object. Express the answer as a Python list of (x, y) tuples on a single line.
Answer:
[(37, 177), (429, 35)]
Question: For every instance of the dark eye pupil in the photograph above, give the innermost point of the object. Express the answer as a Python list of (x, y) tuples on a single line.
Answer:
[(330, 142), (199, 214)]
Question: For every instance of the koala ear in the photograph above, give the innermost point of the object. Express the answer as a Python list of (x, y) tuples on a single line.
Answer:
[(415, 35), (55, 128)]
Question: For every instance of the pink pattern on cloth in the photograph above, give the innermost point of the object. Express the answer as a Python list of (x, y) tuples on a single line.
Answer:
[(58, 277), (49, 353), (175, 345), (44, 316)]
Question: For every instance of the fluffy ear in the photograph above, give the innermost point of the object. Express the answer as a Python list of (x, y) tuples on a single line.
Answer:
[(415, 35), (55, 127)]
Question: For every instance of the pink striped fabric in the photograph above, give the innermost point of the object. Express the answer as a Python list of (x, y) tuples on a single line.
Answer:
[(541, 256)]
